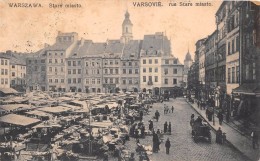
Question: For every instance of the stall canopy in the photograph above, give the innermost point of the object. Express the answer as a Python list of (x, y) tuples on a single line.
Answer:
[(16, 107), (57, 109), (8, 91), (18, 120), (39, 113), (248, 89)]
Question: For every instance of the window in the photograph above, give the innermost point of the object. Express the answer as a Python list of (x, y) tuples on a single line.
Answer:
[(50, 60), (116, 71), (13, 66), (233, 74), (150, 78), (69, 63), (130, 63), (6, 72), (79, 71), (136, 71), (2, 80), (130, 81), (61, 60), (56, 61), (237, 43), (156, 61), (74, 80), (13, 74), (56, 80), (124, 81), (79, 80), (165, 81), (144, 61), (116, 62), (150, 70), (74, 63), (228, 48), (50, 69), (42, 68), (105, 71), (130, 71), (50, 80), (237, 75), (136, 64), (69, 71), (111, 80), (229, 75), (150, 61), (49, 54), (175, 61), (86, 64), (62, 69), (87, 81), (123, 63), (124, 71), (93, 64), (117, 80), (98, 72), (86, 71), (144, 78), (166, 61), (144, 70), (2, 72), (98, 81), (166, 71), (175, 71), (156, 79), (74, 71), (62, 80), (233, 46), (156, 69), (56, 70), (61, 54), (111, 62), (111, 71), (174, 81), (79, 62), (6, 80)]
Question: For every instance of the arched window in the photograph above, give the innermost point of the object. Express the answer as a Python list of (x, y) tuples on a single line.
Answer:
[(126, 29)]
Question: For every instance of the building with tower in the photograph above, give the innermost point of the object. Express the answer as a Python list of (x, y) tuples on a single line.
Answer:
[(187, 64), (127, 29)]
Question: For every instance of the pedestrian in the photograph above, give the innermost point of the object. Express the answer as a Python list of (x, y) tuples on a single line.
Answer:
[(220, 117), (132, 157), (167, 146), (198, 104), (136, 133), (170, 128), (219, 136), (165, 127), (142, 131), (255, 140), (151, 125), (141, 115), (157, 115), (172, 109), (228, 116)]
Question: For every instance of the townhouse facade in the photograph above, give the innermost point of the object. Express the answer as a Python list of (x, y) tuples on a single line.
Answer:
[(5, 70)]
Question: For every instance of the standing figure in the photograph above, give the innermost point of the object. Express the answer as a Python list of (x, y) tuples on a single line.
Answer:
[(165, 127), (219, 136), (170, 128), (151, 125), (157, 115), (172, 109), (167, 146), (141, 115), (220, 118), (198, 104), (142, 131)]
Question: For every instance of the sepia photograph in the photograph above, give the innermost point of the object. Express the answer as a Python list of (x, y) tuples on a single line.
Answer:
[(129, 80)]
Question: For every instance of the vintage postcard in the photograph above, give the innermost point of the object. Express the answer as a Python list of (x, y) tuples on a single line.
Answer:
[(130, 80)]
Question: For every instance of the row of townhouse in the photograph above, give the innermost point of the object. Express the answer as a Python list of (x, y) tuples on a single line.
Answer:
[(227, 61), (84, 66), (12, 70)]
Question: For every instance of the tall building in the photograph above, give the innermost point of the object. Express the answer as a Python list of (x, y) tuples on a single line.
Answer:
[(127, 26), (5, 72), (187, 63)]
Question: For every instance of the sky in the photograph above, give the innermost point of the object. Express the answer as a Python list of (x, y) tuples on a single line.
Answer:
[(28, 29)]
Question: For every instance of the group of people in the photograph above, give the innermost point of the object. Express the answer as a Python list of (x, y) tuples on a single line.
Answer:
[(167, 128), (137, 130), (167, 109), (220, 137)]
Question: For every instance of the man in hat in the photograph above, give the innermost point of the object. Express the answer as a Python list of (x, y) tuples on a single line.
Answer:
[(167, 146)]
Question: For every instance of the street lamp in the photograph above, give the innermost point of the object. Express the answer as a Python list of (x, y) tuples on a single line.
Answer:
[(90, 130)]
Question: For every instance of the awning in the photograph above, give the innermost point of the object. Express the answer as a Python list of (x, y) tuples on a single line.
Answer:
[(18, 120), (57, 109), (12, 107), (8, 91), (247, 89), (39, 113)]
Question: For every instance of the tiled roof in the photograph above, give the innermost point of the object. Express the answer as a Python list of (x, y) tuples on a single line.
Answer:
[(59, 46), (132, 49), (114, 47), (155, 44)]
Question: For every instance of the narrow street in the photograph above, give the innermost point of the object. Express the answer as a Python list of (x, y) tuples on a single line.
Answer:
[(182, 145)]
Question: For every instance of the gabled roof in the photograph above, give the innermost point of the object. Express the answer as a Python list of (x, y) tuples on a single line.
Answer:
[(132, 50)]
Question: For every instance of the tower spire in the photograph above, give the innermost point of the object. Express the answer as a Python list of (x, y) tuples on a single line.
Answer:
[(127, 29)]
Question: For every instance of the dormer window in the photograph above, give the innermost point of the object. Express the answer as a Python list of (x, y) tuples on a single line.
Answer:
[(75, 54)]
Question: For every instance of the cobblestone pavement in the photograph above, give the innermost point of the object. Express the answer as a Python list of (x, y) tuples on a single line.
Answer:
[(183, 147)]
